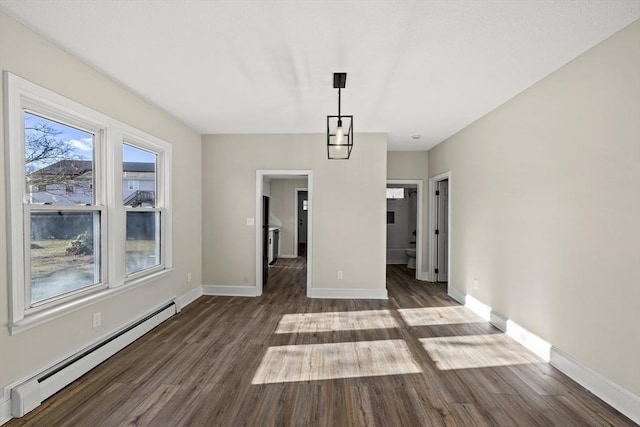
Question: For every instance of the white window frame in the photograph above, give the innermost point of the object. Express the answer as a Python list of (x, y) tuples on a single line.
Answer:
[(21, 95), (96, 128), (161, 184)]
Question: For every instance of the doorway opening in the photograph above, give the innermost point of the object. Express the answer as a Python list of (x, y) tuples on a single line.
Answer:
[(404, 224), (301, 221), (278, 194), (439, 227)]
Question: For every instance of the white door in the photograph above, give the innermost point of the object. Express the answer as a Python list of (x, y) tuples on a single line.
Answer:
[(442, 230)]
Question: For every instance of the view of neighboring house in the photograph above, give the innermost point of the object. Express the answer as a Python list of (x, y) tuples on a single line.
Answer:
[(71, 182), (138, 184)]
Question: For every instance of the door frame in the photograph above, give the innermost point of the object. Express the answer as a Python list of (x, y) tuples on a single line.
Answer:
[(295, 232), (418, 183), (432, 226), (276, 173)]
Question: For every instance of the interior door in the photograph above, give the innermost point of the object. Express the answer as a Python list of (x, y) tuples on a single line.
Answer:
[(442, 230), (265, 239), (303, 206)]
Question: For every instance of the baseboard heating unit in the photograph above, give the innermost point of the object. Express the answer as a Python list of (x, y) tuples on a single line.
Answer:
[(31, 393)]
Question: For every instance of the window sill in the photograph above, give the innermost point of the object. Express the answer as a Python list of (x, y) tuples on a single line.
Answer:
[(63, 309)]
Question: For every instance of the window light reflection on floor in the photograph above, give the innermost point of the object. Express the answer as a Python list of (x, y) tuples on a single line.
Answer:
[(476, 351), (314, 362), (336, 321), (431, 316)]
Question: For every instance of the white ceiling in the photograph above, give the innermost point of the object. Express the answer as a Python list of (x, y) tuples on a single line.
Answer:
[(414, 67)]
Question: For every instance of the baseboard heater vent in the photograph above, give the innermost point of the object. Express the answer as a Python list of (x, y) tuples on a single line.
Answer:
[(30, 394)]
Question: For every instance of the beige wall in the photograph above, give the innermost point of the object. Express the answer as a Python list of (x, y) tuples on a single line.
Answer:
[(414, 165), (545, 208), (348, 206), (27, 55), (283, 205)]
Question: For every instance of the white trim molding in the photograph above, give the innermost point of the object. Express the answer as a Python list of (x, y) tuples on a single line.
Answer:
[(86, 301), (424, 276), (22, 96), (186, 299), (5, 409), (457, 294), (619, 398), (611, 393), (432, 224), (229, 291), (521, 335), (348, 293)]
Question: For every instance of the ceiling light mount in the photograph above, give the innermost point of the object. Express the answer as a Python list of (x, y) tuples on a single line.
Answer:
[(339, 128)]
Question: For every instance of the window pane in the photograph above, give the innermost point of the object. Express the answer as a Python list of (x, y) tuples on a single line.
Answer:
[(138, 177), (143, 240), (65, 252), (58, 162), (395, 193)]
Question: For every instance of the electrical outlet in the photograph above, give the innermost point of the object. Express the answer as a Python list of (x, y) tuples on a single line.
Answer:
[(476, 283), (188, 277), (97, 319), (339, 274), (251, 222)]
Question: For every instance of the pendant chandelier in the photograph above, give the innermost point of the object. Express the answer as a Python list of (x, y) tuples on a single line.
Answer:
[(339, 128)]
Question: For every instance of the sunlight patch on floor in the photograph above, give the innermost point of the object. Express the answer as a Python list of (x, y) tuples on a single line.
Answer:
[(476, 351), (314, 362), (335, 321), (431, 316)]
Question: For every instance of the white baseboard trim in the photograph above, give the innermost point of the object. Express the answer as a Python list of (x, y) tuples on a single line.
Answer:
[(611, 393), (5, 410), (348, 293), (188, 298), (456, 294), (523, 336), (478, 307), (229, 291), (498, 321), (396, 262), (287, 256), (540, 347), (424, 276), (616, 396), (5, 392)]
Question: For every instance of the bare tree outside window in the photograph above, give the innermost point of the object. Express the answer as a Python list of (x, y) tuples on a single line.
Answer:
[(44, 144), (59, 172), (58, 163)]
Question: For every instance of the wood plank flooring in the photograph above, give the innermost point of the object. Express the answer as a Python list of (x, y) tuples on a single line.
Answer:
[(418, 359)]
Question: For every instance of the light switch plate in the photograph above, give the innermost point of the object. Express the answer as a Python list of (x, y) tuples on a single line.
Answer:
[(251, 221)]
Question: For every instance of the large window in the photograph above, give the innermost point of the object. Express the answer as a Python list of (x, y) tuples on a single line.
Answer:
[(89, 204), (63, 226), (143, 212)]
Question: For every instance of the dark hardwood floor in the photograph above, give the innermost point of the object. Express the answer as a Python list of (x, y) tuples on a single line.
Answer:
[(282, 359)]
